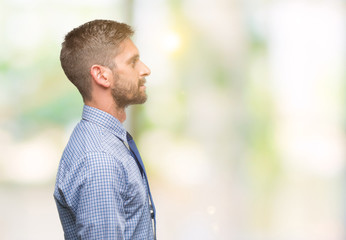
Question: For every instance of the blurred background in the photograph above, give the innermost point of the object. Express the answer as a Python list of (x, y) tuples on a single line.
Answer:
[(243, 133)]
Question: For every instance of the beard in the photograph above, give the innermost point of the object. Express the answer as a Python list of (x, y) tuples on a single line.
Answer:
[(127, 93)]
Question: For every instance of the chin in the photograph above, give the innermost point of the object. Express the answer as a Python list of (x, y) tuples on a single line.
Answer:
[(140, 99)]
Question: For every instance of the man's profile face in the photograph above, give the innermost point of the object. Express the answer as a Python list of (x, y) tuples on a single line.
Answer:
[(129, 76)]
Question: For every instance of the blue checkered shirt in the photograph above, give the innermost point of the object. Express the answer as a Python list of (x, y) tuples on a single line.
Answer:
[(100, 192)]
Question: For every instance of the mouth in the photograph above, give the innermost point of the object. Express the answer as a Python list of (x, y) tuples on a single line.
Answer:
[(141, 83)]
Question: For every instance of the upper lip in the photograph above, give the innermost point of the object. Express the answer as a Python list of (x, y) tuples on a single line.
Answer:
[(142, 82)]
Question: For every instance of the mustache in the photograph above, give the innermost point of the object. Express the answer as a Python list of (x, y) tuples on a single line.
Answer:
[(142, 81)]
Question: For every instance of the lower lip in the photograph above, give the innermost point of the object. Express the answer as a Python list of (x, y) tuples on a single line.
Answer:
[(143, 87)]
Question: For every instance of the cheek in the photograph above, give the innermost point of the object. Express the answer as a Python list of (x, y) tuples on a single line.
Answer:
[(128, 76), (127, 83)]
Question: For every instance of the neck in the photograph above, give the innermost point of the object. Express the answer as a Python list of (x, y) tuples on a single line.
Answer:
[(113, 109)]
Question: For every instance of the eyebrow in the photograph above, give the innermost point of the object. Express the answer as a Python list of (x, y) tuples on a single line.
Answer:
[(134, 57)]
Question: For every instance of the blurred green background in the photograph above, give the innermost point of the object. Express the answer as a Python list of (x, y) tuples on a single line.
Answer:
[(243, 133)]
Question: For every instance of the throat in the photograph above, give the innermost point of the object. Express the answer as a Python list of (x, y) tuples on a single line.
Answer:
[(121, 115)]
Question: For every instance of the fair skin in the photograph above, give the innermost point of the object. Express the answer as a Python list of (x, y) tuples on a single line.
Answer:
[(129, 78)]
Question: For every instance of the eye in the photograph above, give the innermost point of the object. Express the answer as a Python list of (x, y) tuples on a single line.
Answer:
[(133, 63)]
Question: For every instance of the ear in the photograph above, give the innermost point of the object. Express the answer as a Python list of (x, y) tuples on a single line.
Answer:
[(101, 75)]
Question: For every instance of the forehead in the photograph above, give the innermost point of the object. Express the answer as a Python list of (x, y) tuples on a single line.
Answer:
[(127, 50)]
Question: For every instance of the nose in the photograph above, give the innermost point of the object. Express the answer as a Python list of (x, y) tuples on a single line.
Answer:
[(145, 71)]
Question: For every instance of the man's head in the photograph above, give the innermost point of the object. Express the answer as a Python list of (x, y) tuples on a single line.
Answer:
[(104, 44)]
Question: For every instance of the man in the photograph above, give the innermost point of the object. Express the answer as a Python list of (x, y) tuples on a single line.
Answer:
[(101, 189)]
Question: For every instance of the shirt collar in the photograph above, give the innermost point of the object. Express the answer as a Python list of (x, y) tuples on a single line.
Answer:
[(105, 120)]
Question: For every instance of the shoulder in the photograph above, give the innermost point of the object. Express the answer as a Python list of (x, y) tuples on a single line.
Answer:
[(87, 134), (90, 137), (91, 167), (101, 166), (93, 173), (97, 161)]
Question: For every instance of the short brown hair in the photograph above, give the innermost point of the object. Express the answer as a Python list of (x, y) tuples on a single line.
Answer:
[(95, 42)]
